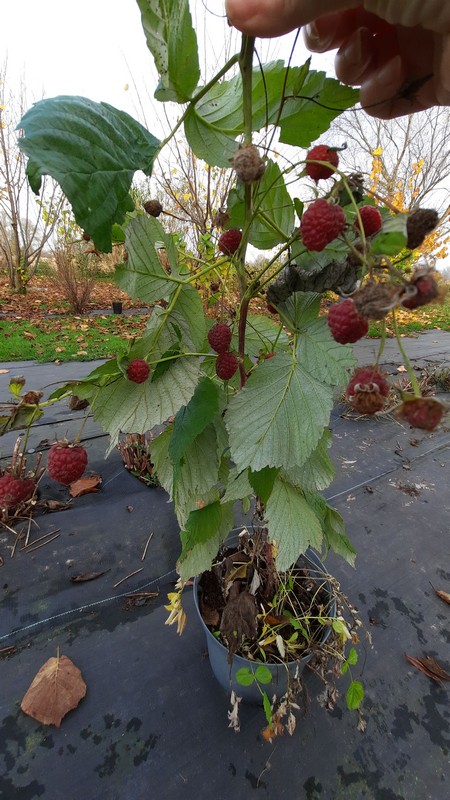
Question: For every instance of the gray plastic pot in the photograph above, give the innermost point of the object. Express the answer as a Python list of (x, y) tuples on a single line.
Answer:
[(226, 673)]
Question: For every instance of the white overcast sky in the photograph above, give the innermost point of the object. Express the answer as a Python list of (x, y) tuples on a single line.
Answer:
[(96, 48)]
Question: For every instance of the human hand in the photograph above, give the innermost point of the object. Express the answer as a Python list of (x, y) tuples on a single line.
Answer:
[(398, 53)]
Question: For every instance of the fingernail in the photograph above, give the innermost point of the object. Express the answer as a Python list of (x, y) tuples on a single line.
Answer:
[(352, 52), (314, 40), (391, 74)]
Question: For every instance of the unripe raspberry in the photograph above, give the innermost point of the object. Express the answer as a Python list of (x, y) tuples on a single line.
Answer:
[(66, 462), (229, 241), (371, 219), (321, 152), (422, 412), (219, 337), (248, 164), (14, 490), (427, 290), (226, 365), (367, 390), (321, 223), (346, 325), (138, 370)]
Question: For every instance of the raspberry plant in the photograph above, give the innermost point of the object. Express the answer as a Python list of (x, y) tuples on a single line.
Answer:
[(264, 430)]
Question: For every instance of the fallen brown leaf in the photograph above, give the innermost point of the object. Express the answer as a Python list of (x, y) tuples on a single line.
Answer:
[(88, 576), (429, 667), (445, 596), (4, 371), (57, 689), (85, 485)]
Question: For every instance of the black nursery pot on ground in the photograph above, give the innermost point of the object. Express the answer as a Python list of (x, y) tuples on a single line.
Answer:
[(117, 307), (234, 614)]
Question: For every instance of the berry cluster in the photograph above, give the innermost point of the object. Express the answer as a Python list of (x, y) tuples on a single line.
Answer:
[(219, 337)]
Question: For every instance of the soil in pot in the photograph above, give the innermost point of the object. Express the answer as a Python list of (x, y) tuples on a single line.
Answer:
[(254, 615)]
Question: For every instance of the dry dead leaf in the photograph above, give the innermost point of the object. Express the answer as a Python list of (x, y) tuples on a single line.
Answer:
[(28, 335), (429, 667), (4, 371), (57, 689), (85, 485), (88, 576), (445, 596)]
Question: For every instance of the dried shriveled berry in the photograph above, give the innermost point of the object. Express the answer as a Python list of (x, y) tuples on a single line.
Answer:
[(422, 412), (321, 152), (66, 462), (367, 390), (226, 365), (419, 224), (220, 218), (371, 219), (219, 337), (229, 241), (321, 223), (346, 325), (15, 490), (375, 300), (153, 207), (426, 288), (248, 164), (138, 370)]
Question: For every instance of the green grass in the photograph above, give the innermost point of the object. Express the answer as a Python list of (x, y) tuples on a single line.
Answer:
[(423, 319), (68, 339)]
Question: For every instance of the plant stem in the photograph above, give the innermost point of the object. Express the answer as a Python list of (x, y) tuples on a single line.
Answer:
[(246, 70), (412, 377)]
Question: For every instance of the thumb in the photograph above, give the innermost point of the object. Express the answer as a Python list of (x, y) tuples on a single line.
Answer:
[(268, 18)]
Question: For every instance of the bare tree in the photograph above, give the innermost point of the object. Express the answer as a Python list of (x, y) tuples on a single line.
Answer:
[(410, 155), (26, 223)]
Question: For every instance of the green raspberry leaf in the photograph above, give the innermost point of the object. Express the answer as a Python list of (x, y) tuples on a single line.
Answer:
[(292, 524), (322, 99), (92, 150), (392, 238), (279, 393), (274, 209), (193, 418), (173, 43), (143, 277)]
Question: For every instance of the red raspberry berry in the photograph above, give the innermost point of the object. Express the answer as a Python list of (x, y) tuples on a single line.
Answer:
[(321, 223), (66, 462), (422, 412), (229, 241), (345, 324), (367, 390), (219, 337), (138, 370), (371, 219), (14, 491), (321, 152), (226, 365), (427, 291)]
